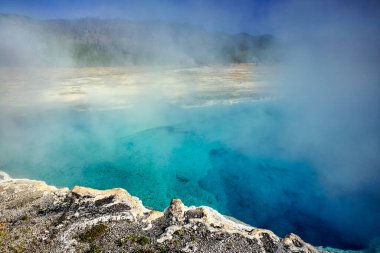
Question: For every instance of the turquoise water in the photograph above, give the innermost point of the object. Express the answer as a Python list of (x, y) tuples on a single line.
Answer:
[(226, 157)]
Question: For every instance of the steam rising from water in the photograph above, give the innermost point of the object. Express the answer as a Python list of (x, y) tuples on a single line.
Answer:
[(330, 82), (292, 147)]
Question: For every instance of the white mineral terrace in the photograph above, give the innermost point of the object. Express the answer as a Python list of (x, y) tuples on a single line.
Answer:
[(124, 87)]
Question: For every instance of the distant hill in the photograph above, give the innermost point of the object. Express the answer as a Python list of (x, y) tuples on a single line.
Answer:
[(92, 42)]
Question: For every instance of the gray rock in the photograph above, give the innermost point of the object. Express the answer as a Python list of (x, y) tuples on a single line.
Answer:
[(36, 217)]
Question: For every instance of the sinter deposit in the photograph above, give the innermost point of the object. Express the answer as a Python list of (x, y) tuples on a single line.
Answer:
[(36, 217)]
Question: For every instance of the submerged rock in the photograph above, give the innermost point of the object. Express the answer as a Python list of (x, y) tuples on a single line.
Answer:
[(36, 217)]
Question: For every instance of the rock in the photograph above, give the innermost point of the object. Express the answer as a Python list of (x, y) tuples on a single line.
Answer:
[(36, 217), (176, 210)]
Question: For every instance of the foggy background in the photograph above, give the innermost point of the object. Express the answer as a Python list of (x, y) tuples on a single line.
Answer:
[(303, 159)]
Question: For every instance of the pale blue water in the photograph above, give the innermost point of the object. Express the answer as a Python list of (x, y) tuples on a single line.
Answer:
[(227, 157)]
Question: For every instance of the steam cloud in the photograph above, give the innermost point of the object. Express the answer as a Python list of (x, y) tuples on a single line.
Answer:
[(330, 82), (322, 129)]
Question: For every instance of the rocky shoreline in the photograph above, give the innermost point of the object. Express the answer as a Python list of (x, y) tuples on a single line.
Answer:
[(36, 217)]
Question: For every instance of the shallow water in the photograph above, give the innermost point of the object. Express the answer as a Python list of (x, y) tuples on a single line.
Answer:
[(197, 145)]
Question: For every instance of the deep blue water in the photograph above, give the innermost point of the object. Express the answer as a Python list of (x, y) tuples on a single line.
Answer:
[(226, 157)]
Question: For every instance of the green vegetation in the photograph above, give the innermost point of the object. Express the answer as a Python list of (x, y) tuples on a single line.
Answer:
[(24, 230), (25, 217), (230, 245), (179, 233), (163, 249), (132, 237), (120, 242), (90, 235), (142, 240), (3, 233), (94, 249), (96, 42), (144, 251), (17, 249)]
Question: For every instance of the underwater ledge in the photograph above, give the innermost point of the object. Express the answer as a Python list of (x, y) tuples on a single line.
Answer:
[(36, 217)]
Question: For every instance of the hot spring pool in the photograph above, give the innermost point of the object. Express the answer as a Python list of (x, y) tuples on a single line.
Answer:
[(209, 135), (227, 157)]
